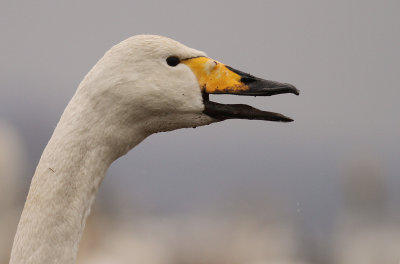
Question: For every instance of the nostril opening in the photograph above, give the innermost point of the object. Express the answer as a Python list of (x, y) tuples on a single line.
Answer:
[(247, 80)]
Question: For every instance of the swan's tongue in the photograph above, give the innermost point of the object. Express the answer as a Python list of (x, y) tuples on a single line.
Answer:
[(217, 78)]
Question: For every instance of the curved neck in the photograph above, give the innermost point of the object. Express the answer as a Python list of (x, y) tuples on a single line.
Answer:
[(63, 188)]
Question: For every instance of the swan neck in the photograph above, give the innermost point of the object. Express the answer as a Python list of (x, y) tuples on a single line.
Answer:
[(63, 188)]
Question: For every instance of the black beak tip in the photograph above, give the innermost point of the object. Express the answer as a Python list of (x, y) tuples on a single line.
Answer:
[(268, 88), (292, 89), (288, 120), (284, 119)]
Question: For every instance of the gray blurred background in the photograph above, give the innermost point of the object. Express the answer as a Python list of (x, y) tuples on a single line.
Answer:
[(329, 179)]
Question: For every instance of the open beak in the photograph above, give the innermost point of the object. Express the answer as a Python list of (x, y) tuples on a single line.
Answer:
[(217, 78)]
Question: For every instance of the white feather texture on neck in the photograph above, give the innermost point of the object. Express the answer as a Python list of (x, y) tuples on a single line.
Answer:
[(129, 94)]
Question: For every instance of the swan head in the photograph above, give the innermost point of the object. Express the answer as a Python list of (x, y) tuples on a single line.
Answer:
[(158, 84)]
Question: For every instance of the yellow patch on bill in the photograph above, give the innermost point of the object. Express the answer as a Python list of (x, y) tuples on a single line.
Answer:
[(215, 77)]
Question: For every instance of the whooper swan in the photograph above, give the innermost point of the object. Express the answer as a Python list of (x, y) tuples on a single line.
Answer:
[(143, 85)]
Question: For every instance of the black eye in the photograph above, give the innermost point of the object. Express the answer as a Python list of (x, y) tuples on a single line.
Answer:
[(173, 61)]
